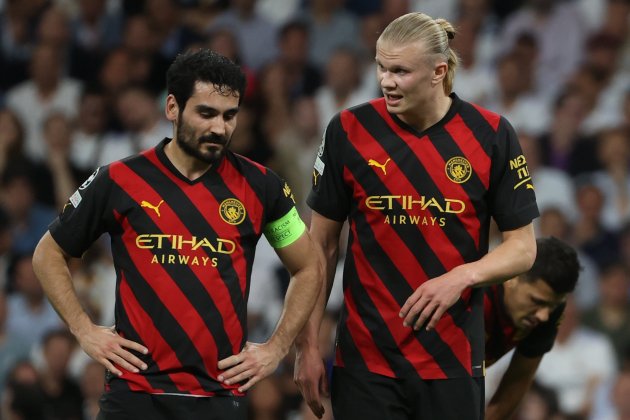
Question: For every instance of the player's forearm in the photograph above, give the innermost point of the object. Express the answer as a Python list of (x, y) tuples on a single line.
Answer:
[(310, 333), (51, 268), (513, 387), (515, 255), (302, 294), (507, 399)]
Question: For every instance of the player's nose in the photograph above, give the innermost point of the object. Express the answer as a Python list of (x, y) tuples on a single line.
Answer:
[(543, 314)]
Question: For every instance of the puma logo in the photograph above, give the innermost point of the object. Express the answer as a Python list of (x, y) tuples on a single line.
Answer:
[(372, 162), (152, 207)]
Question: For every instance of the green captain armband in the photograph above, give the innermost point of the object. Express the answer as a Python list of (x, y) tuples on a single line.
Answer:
[(285, 230)]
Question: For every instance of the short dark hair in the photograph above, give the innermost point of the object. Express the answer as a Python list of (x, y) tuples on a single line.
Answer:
[(556, 264), (203, 65)]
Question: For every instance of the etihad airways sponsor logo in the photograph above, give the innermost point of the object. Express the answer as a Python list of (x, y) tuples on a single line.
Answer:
[(182, 245), (410, 202), (179, 242)]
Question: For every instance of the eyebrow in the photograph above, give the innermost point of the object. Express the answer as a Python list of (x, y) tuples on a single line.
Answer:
[(206, 108)]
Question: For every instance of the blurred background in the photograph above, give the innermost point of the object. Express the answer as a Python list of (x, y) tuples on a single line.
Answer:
[(82, 83)]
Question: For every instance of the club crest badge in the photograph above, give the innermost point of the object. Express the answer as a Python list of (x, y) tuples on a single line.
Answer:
[(232, 211), (458, 169)]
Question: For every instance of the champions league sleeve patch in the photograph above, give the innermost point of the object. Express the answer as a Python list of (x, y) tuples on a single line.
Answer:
[(75, 199), (285, 230)]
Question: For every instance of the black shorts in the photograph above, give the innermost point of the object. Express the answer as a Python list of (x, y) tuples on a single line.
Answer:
[(365, 396), (128, 405)]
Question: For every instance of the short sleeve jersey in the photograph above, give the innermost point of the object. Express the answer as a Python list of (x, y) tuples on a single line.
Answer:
[(418, 205), (183, 253), (502, 336)]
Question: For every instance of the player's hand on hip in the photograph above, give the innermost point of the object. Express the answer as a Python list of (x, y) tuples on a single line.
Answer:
[(253, 363), (428, 302), (310, 376), (111, 350)]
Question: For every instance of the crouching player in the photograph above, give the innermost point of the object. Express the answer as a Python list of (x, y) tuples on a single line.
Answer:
[(524, 313)]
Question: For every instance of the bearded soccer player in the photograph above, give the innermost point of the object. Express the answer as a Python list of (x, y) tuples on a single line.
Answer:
[(418, 173), (184, 219), (524, 313)]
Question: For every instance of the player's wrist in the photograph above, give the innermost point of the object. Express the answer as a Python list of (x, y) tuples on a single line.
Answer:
[(81, 327)]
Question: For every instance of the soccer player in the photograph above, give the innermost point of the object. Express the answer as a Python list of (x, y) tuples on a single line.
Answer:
[(524, 313), (418, 173), (184, 219)]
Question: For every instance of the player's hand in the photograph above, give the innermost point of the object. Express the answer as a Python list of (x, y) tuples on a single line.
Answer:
[(310, 376), (108, 348), (429, 301), (253, 363)]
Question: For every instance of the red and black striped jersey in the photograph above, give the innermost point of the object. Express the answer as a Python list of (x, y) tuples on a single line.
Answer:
[(183, 252), (418, 204), (502, 336)]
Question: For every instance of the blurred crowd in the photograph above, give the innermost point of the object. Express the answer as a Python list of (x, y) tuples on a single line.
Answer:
[(82, 83)]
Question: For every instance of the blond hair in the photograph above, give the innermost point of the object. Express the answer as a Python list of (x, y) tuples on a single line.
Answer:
[(434, 33)]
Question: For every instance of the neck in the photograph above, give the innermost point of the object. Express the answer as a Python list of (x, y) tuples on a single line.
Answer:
[(426, 116), (189, 166)]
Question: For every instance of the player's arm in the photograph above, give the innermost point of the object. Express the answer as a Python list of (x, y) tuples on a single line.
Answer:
[(515, 255), (513, 386), (310, 373), (256, 361), (50, 263)]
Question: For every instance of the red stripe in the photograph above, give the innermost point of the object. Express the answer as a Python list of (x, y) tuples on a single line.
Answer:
[(164, 356), (169, 222), (398, 184), (338, 359), (364, 342), (401, 256), (395, 249), (388, 308), (492, 118), (466, 141), (174, 300), (240, 187), (203, 200), (428, 155)]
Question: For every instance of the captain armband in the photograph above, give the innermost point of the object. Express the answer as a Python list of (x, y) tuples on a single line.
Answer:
[(285, 230)]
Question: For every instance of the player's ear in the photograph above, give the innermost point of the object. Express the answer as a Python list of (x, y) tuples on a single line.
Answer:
[(172, 109), (439, 72)]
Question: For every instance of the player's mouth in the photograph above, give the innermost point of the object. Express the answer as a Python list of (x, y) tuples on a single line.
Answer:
[(392, 99), (530, 322)]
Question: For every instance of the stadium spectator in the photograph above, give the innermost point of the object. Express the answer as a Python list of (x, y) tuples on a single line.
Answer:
[(62, 395), (576, 345), (47, 91), (611, 314), (29, 314)]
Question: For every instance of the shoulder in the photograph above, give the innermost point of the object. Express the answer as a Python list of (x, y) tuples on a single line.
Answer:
[(469, 111), (246, 165)]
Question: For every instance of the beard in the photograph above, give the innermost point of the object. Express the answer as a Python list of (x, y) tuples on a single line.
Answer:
[(192, 145)]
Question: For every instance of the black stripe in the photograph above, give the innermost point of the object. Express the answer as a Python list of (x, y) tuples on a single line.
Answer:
[(418, 175), (369, 314), (157, 379), (195, 222), (409, 234), (396, 284), (246, 229), (170, 330), (350, 354)]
